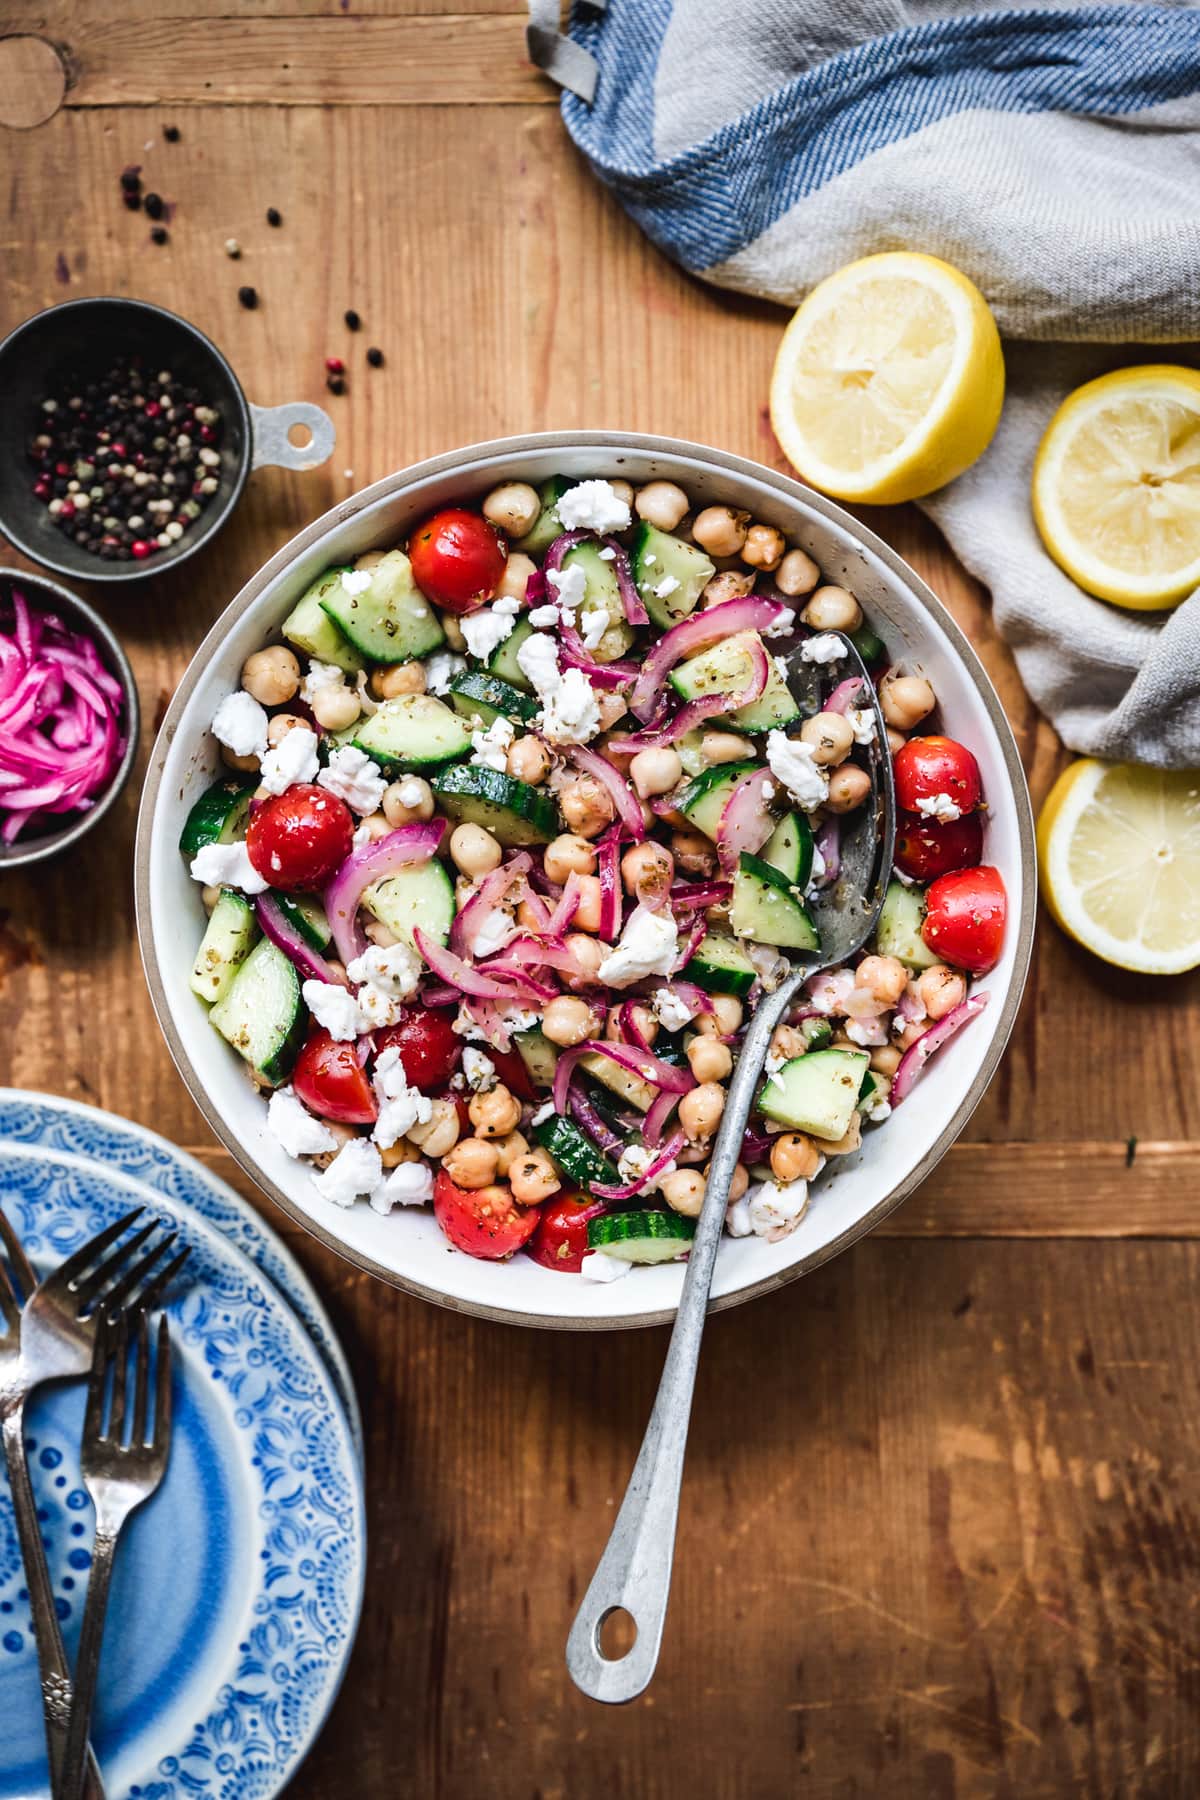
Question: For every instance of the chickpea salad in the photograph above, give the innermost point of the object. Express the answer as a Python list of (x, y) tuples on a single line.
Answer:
[(519, 820)]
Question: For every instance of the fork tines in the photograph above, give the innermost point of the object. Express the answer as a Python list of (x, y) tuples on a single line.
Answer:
[(112, 1354), (107, 1285)]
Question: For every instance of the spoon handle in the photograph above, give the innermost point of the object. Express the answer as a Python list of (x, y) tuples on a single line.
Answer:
[(634, 1574)]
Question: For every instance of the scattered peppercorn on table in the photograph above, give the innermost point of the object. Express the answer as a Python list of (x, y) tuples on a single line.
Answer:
[(936, 1527)]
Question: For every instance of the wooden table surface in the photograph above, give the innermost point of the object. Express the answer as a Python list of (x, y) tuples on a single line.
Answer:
[(939, 1535)]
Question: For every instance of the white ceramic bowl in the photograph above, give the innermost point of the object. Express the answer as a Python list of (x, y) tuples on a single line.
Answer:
[(407, 1248)]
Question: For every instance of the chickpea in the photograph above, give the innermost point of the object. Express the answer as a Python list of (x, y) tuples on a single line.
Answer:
[(764, 547), (589, 953), (513, 506), (370, 559), (829, 736), (335, 707), (848, 788), (587, 913), (440, 1131), (693, 853), (533, 1177), (613, 644), (474, 850), (271, 676), (896, 740), (454, 632), (833, 609), (709, 1059), (209, 897), (739, 1183), (509, 1148), (495, 1113), (529, 760), (683, 1191), (394, 679), (907, 1038), (700, 1110), (379, 934), (247, 765), (845, 1146), (788, 1043), (624, 491), (885, 1059), (611, 708), (280, 725), (906, 700), (472, 1163), (642, 1018), (569, 854), (407, 801), (720, 530), (883, 976), (727, 1011), (586, 805), (343, 1134), (655, 771), (647, 870), (337, 969), (400, 1152), (941, 990), (377, 826), (730, 584), (515, 578), (723, 747), (797, 574), (794, 1157), (661, 504), (568, 1022)]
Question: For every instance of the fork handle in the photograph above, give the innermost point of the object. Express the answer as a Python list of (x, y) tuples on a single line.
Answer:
[(53, 1668), (87, 1663)]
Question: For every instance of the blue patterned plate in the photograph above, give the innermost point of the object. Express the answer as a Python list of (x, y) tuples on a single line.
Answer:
[(48, 1121), (238, 1586)]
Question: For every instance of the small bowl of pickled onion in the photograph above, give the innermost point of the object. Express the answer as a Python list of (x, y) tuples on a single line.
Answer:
[(68, 719)]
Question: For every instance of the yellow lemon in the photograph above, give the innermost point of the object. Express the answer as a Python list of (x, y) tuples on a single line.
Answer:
[(1116, 486), (1119, 854), (889, 380)]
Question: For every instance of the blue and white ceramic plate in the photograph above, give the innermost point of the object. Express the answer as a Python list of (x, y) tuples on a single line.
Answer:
[(47, 1121), (238, 1586)]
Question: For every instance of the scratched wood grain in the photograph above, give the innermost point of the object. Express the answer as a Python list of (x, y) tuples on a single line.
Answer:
[(938, 1536)]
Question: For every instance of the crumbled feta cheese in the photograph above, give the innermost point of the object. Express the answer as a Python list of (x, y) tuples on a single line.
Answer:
[(479, 1070), (634, 1160), (792, 762), (867, 1032), (400, 1106), (409, 1185), (537, 658), (649, 945), (545, 1111), (649, 558), (411, 790), (490, 747), (240, 723), (227, 865), (354, 778), (363, 835), (335, 1009), (671, 1011), (570, 589), (295, 1128), (772, 1063), (939, 806), (494, 933), (818, 868), (571, 714), (356, 581), (666, 586), (320, 675), (355, 1170), (825, 648), (606, 553), (593, 506), (386, 977), (468, 1027), (543, 617), (594, 624), (517, 1019), (487, 629), (440, 670), (881, 1110), (294, 758), (783, 626), (737, 1218), (768, 792), (781, 669), (774, 1211), (596, 1266), (862, 724)]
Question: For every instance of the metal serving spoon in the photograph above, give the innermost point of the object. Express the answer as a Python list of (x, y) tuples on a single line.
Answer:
[(634, 1574)]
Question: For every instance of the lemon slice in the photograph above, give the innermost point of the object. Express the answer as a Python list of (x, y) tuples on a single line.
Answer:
[(889, 380), (1116, 486), (1119, 851)]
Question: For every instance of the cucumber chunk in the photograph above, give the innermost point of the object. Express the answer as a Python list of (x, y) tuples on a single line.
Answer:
[(602, 594), (486, 697), (311, 629), (414, 731), (262, 1015), (816, 1093), (818, 1033), (514, 812), (538, 1054), (229, 937), (703, 800), (768, 909), (307, 916), (575, 1153), (622, 1082), (421, 894), (391, 621), (219, 815), (658, 558), (871, 648), (547, 526), (721, 966), (641, 1237), (725, 669), (898, 932), (503, 662), (790, 850)]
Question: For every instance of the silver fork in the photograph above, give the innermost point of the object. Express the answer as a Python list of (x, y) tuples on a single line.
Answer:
[(119, 1476), (50, 1339)]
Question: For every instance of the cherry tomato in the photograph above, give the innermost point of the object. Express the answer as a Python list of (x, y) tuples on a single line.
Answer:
[(926, 766), (510, 1067), (457, 559), (331, 1081), (486, 1222), (964, 918), (926, 848), (296, 839), (561, 1240), (430, 1051)]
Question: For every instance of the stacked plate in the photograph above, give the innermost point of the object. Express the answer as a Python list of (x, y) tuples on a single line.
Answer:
[(237, 1590)]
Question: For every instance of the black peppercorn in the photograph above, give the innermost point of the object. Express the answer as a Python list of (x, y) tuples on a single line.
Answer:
[(171, 133), (248, 297), (153, 204), (132, 199), (353, 321), (131, 178), (159, 235), (336, 384), (375, 357), (274, 216)]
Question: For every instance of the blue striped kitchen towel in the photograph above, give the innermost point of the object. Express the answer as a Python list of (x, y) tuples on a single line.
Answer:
[(1053, 154)]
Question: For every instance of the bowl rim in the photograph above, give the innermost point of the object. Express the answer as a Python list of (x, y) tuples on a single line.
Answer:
[(115, 574), (19, 856), (608, 443)]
